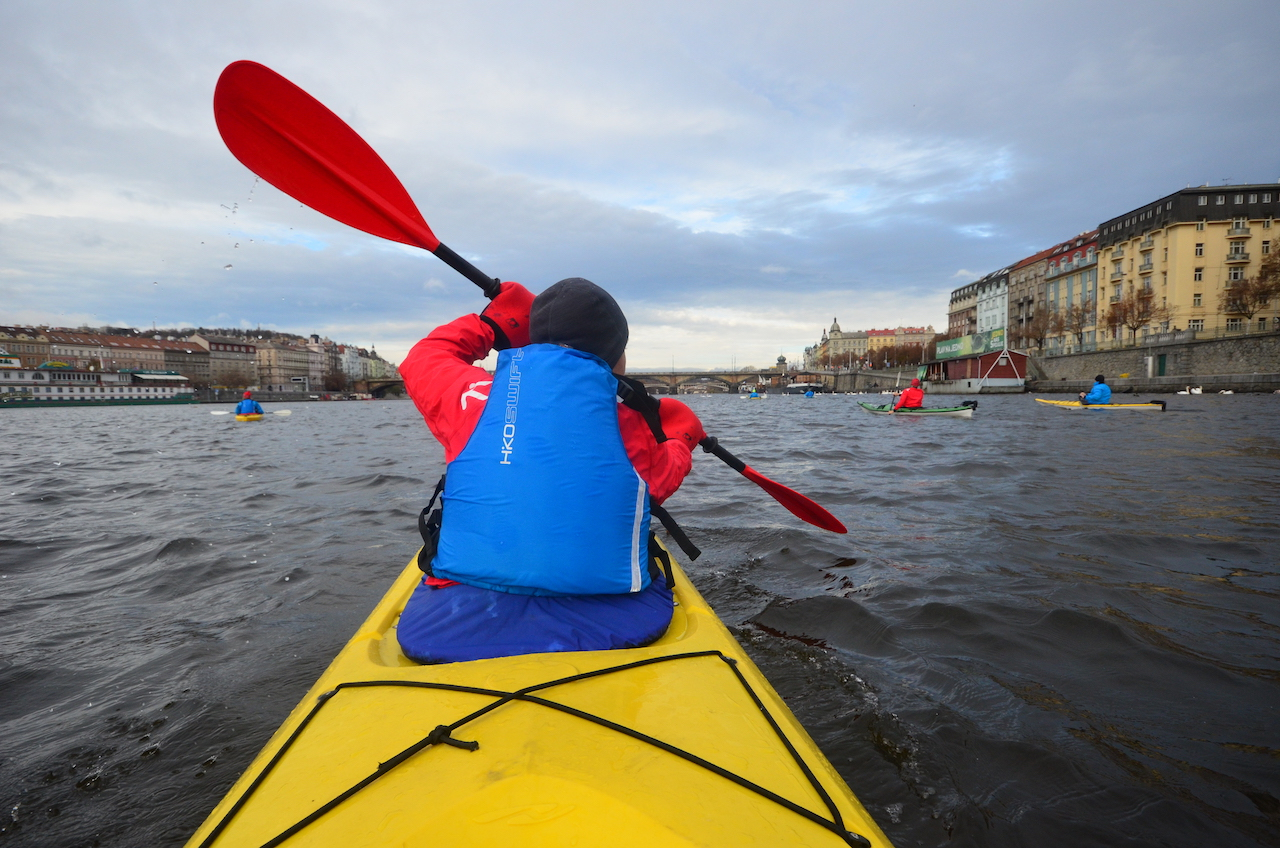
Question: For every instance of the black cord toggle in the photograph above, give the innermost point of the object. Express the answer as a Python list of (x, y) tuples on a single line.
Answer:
[(442, 735)]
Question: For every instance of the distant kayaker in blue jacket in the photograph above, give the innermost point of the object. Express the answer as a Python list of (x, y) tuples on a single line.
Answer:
[(1099, 394), (248, 406)]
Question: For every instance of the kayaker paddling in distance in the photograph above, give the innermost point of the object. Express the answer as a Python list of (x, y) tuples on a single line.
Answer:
[(550, 483), (1098, 395), (912, 397), (248, 406)]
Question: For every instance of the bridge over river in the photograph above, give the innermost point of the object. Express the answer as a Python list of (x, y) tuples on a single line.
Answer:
[(685, 382), (680, 382)]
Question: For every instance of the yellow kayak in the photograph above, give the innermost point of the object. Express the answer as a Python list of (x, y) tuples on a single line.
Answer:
[(680, 743), (1153, 406), (252, 416)]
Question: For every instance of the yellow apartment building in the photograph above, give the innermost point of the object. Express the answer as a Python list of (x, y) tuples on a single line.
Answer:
[(1185, 249), (877, 339)]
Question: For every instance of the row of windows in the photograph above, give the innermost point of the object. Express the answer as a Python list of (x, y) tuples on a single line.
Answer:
[(1221, 199), (91, 390), (1200, 201), (239, 348), (1236, 248), (1140, 217)]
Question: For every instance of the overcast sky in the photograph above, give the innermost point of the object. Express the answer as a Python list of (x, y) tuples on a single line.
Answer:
[(737, 174)]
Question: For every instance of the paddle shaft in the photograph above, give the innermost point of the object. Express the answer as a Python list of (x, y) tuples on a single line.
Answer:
[(713, 447), (489, 285)]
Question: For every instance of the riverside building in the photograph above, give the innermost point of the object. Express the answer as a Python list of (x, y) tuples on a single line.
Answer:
[(1185, 249), (1026, 291), (29, 345), (233, 362), (962, 313), (1158, 272), (1071, 282), (992, 303), (284, 367)]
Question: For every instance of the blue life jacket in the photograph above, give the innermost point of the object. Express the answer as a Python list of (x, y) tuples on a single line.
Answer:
[(543, 500), (248, 406)]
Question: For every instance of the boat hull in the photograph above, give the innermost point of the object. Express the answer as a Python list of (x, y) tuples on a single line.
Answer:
[(30, 403), (936, 411), (544, 773), (252, 416), (1154, 406)]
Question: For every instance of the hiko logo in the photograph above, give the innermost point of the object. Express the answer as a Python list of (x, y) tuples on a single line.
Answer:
[(513, 400)]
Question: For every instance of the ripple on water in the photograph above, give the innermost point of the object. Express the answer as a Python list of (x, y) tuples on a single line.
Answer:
[(1040, 630)]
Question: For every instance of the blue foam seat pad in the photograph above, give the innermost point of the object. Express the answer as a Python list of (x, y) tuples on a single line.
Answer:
[(461, 623)]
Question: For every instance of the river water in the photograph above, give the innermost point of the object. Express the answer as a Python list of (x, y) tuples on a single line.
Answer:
[(1044, 628)]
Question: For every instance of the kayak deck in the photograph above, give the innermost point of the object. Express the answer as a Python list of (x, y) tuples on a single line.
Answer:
[(1153, 406), (252, 416), (679, 743), (941, 411)]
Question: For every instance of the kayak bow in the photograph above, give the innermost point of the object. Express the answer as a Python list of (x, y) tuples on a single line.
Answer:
[(679, 743)]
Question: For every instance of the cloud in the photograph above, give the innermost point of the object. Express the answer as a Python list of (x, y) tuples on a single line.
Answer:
[(736, 179)]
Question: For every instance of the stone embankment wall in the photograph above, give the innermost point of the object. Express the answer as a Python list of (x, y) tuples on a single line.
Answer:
[(874, 381), (1241, 364)]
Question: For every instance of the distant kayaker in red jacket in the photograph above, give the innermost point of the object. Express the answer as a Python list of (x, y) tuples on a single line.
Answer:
[(912, 398)]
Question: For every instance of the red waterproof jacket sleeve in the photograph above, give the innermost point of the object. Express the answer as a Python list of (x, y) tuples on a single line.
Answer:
[(445, 384), (450, 391), (663, 465)]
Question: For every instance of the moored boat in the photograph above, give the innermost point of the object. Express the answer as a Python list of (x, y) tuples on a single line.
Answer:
[(679, 743), (963, 411), (59, 384), (1153, 406)]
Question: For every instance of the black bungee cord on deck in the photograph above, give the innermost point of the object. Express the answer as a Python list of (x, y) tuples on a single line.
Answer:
[(443, 735)]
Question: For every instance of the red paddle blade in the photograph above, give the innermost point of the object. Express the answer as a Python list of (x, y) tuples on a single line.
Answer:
[(800, 506), (292, 141)]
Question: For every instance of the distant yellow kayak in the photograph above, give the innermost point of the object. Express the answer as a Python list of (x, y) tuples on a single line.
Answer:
[(680, 743), (1153, 406), (252, 416)]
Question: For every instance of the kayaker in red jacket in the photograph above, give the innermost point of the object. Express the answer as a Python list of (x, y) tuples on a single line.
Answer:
[(543, 542), (451, 391), (912, 398), (452, 394)]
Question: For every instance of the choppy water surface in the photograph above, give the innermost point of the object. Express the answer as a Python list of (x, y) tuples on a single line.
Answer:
[(1044, 628)]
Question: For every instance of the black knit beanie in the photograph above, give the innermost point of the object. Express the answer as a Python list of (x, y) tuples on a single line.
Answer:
[(580, 314)]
